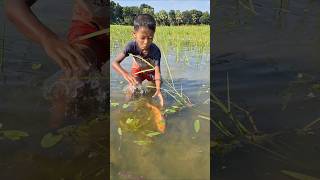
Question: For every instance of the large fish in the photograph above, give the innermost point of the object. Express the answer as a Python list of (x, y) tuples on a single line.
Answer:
[(158, 118)]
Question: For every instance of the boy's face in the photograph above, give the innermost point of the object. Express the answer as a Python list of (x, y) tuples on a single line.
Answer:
[(144, 37)]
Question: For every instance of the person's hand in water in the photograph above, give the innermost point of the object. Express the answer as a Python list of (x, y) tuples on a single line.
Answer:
[(159, 95), (70, 58), (131, 80)]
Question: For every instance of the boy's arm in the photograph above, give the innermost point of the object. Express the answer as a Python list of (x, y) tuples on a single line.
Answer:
[(65, 55), (116, 66), (157, 79)]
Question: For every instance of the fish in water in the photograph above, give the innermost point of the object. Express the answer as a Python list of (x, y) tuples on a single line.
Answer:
[(158, 118)]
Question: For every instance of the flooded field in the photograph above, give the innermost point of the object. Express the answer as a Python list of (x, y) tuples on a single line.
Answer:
[(182, 152), (266, 90)]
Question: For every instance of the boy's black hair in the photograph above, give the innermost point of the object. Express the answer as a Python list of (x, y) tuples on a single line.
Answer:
[(144, 20)]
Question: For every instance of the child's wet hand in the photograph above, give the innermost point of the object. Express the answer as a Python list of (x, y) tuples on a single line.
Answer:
[(159, 95), (131, 80), (65, 55)]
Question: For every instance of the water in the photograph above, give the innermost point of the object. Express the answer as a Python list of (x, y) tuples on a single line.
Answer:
[(179, 153), (264, 55)]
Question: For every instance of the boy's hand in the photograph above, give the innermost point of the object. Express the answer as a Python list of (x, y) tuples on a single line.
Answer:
[(131, 80), (159, 94), (65, 55)]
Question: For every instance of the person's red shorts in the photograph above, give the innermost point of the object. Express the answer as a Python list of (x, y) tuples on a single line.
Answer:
[(149, 75), (99, 44)]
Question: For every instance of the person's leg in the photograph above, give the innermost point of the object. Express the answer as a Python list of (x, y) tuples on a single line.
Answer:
[(58, 96)]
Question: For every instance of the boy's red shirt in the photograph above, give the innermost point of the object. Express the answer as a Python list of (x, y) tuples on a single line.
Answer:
[(92, 11)]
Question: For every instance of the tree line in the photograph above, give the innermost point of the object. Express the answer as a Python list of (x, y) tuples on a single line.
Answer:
[(125, 15)]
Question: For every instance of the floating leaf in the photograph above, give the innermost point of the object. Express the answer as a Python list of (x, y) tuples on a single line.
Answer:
[(14, 134), (169, 110), (141, 143), (129, 120), (196, 125), (119, 131), (50, 140), (114, 104), (298, 176), (36, 66), (125, 106), (152, 133)]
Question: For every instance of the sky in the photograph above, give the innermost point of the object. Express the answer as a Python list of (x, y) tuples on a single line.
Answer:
[(202, 5)]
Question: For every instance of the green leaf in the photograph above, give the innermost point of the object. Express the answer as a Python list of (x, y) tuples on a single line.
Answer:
[(298, 176), (14, 134), (36, 66), (114, 104), (50, 140), (125, 106), (142, 143), (196, 125), (169, 110), (129, 120), (152, 133), (119, 131)]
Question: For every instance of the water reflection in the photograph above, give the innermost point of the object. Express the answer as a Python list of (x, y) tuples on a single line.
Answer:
[(271, 62)]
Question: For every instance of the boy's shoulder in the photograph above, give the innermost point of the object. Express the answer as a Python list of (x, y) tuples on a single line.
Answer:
[(153, 45), (134, 45)]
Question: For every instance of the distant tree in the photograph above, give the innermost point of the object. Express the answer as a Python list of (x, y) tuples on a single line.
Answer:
[(178, 17), (205, 18), (195, 16), (116, 13), (186, 17), (146, 9), (125, 15), (129, 13), (172, 17), (162, 17)]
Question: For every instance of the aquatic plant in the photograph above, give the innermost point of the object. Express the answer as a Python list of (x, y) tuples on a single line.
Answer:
[(13, 134)]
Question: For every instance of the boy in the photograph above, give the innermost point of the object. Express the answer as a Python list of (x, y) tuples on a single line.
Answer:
[(75, 57), (141, 47)]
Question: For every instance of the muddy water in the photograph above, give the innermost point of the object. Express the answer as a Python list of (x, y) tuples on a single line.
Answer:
[(264, 53), (180, 153)]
